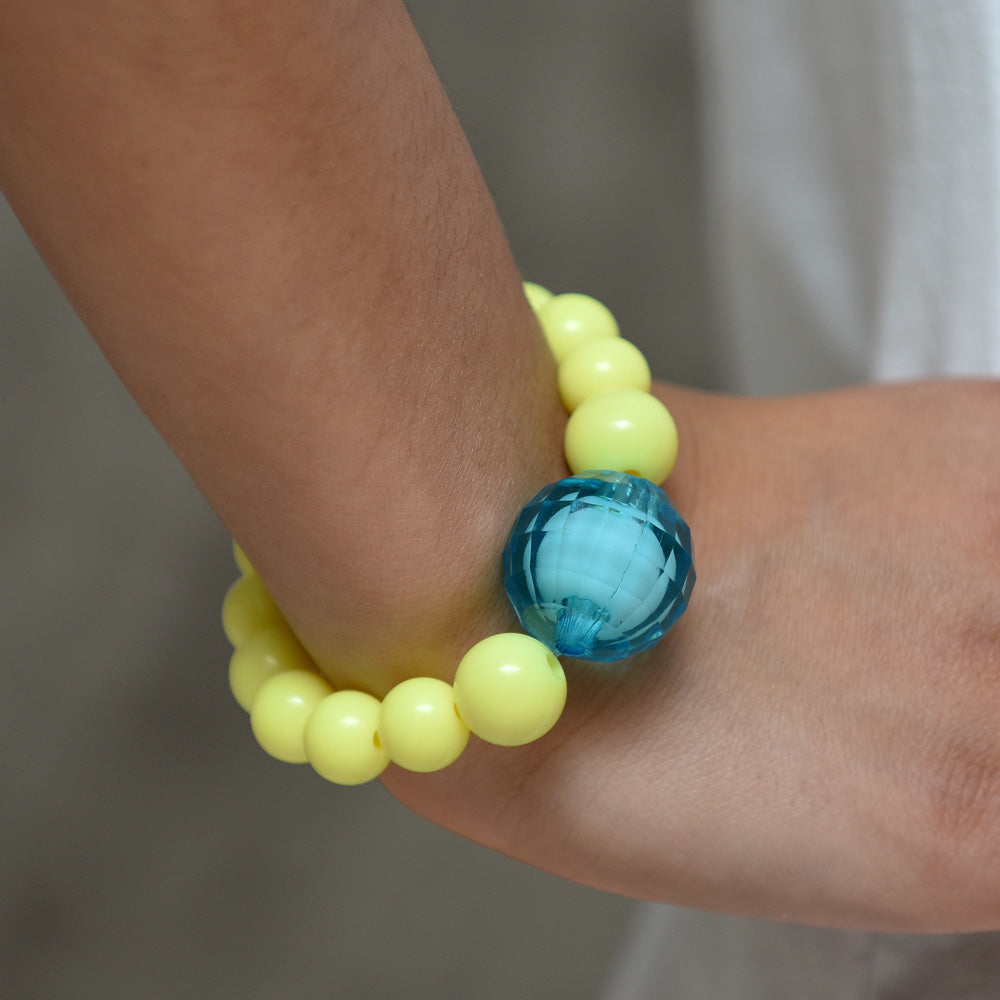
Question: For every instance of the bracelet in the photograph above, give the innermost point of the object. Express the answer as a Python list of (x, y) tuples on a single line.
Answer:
[(598, 566)]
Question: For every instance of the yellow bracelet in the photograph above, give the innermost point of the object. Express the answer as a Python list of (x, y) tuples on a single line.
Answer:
[(598, 565)]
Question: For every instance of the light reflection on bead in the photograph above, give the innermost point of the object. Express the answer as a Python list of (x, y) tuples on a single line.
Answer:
[(341, 740), (259, 658), (625, 430), (599, 566), (600, 365), (419, 725), (281, 710), (510, 689), (571, 319)]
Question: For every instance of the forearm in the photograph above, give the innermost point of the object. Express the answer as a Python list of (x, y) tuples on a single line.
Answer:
[(269, 219)]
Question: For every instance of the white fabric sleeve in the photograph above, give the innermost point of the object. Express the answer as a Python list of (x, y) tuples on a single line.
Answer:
[(853, 158)]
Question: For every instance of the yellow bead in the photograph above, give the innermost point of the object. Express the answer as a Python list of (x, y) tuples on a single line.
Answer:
[(419, 725), (536, 295), (282, 709), (510, 689), (571, 320), (623, 430), (248, 608), (599, 365), (260, 657), (341, 741), (242, 563)]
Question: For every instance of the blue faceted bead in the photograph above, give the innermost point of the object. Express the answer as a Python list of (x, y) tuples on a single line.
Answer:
[(599, 565)]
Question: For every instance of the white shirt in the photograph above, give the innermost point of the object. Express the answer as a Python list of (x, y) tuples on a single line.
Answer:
[(853, 158)]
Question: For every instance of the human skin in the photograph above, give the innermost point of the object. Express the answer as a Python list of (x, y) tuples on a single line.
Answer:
[(271, 223), (816, 740)]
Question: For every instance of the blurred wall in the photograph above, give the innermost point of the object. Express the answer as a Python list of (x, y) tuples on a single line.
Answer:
[(582, 114)]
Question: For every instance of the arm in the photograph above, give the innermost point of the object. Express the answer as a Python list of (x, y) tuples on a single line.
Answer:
[(270, 220)]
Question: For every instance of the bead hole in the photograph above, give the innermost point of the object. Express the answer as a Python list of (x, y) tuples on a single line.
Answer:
[(554, 663)]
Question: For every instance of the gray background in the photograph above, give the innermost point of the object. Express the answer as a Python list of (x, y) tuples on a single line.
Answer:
[(147, 847)]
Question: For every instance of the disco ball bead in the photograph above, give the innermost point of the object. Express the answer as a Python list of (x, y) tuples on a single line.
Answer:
[(599, 565)]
